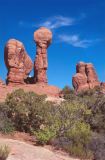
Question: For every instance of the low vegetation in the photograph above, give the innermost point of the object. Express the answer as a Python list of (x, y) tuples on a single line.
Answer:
[(77, 125), (4, 152)]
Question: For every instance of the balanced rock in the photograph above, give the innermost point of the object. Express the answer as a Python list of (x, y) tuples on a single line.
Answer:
[(43, 38), (17, 61), (85, 78)]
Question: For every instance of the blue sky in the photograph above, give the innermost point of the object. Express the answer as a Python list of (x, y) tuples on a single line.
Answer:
[(78, 28)]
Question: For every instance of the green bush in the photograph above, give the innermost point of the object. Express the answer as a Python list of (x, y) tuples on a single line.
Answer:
[(23, 109), (4, 152), (44, 135), (66, 90), (97, 146), (6, 125), (66, 122), (68, 93), (97, 120)]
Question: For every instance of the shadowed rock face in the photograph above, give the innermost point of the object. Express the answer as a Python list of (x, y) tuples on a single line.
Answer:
[(43, 38), (85, 78), (17, 61)]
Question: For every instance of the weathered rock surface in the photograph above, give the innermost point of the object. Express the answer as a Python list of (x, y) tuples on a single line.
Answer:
[(80, 79), (85, 78), (17, 61), (43, 38), (22, 151), (39, 89), (92, 77)]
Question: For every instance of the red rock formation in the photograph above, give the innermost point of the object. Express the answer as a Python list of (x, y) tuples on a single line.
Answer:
[(92, 78), (43, 38), (85, 78), (17, 61), (80, 79)]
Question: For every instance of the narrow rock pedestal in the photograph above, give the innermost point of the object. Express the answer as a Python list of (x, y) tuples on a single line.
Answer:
[(43, 38)]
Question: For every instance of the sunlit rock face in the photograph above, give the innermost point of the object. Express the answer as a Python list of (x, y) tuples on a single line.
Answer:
[(92, 77), (17, 61), (42, 38), (85, 77)]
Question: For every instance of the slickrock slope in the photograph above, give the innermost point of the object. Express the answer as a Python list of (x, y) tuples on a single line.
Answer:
[(43, 38), (17, 61), (24, 151), (85, 77), (51, 91)]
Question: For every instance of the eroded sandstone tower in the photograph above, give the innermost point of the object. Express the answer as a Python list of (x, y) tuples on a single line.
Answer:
[(79, 80), (43, 38), (17, 61), (85, 77)]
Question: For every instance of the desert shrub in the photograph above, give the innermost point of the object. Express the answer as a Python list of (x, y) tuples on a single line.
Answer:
[(68, 93), (65, 122), (23, 109), (97, 146), (44, 135), (66, 90), (4, 152), (6, 125), (74, 129), (97, 120), (90, 92)]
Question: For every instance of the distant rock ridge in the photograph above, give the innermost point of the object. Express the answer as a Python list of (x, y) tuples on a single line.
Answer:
[(85, 77)]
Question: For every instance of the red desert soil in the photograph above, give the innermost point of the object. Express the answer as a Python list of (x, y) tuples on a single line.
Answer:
[(52, 91), (20, 150)]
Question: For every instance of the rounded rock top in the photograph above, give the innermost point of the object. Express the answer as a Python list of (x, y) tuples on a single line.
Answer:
[(43, 35), (14, 42)]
